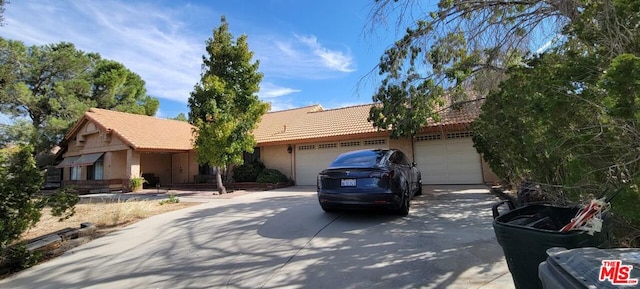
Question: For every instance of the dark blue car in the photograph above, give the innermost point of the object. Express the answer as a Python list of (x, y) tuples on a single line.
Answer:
[(377, 178)]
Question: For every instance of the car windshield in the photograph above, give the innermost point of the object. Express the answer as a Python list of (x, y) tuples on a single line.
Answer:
[(359, 159)]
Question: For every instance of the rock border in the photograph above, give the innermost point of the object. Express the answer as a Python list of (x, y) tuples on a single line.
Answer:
[(62, 240)]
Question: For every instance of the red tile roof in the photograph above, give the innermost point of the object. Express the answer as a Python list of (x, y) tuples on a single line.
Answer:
[(295, 125), (143, 132), (313, 122)]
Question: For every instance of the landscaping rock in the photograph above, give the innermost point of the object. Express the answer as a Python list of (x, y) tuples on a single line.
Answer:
[(45, 242)]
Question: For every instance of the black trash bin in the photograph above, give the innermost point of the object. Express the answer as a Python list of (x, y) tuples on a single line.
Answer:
[(581, 268), (527, 232)]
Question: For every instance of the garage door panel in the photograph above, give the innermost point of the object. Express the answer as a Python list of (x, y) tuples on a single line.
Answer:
[(433, 178), (311, 159), (314, 161), (448, 161)]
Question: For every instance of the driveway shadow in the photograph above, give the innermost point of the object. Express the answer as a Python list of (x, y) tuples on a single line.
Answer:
[(282, 239)]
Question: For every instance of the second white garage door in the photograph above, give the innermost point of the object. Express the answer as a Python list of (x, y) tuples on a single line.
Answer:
[(313, 158), (448, 158)]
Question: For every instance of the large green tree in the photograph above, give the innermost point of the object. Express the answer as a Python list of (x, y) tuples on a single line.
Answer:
[(224, 106), (565, 116), (453, 51), (53, 85), (568, 118), (573, 110)]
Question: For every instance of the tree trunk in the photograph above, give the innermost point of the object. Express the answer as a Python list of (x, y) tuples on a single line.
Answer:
[(221, 189)]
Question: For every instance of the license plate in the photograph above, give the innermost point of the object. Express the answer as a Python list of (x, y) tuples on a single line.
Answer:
[(348, 182)]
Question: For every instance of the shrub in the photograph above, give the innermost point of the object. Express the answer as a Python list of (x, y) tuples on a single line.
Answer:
[(173, 199), (21, 205), (248, 172), (271, 176), (20, 180), (17, 257), (136, 182)]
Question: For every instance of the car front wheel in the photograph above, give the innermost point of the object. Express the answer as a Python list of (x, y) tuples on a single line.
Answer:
[(419, 192)]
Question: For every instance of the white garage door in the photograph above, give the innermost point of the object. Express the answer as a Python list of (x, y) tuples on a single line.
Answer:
[(448, 158), (311, 159)]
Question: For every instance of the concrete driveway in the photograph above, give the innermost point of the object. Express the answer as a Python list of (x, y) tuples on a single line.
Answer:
[(282, 239)]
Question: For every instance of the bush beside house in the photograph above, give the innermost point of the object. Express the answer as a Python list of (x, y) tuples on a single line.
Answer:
[(271, 176), (254, 175), (248, 172)]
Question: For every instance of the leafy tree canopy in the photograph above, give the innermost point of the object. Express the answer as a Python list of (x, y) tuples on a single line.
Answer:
[(2, 3), (455, 50), (566, 117), (224, 106), (181, 117), (53, 85)]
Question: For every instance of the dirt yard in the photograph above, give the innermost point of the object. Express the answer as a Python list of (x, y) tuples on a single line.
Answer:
[(106, 216)]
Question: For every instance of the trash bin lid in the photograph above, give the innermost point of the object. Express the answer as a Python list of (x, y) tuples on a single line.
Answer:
[(600, 267)]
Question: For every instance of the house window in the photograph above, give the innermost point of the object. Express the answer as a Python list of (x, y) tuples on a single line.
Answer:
[(306, 147), (373, 142), (207, 169), (251, 157), (350, 144), (428, 137), (327, 145), (74, 173), (456, 135), (95, 171)]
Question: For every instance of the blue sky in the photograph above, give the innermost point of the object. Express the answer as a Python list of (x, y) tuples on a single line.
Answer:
[(310, 52)]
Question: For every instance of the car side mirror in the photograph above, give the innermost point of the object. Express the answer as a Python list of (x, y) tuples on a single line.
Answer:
[(413, 164)]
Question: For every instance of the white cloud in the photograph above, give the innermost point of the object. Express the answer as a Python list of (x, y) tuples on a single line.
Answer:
[(270, 90), (281, 105), (149, 41), (276, 96), (334, 105), (301, 57), (545, 46), (164, 45), (330, 58)]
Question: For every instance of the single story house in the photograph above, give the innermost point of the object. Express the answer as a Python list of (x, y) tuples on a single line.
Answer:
[(104, 149), (303, 141)]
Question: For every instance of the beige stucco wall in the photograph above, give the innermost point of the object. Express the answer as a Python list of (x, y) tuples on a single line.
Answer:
[(133, 164), (277, 157), (403, 144), (122, 162), (158, 164), (93, 141), (114, 165)]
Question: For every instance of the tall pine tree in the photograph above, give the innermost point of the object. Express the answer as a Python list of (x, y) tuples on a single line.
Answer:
[(224, 106)]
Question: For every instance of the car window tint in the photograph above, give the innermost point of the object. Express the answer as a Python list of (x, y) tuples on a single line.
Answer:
[(393, 158), (403, 159), (359, 159), (398, 158)]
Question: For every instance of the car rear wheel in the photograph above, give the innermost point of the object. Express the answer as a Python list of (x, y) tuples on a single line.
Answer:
[(406, 202), (328, 210)]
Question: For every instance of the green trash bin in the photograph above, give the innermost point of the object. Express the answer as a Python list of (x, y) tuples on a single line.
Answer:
[(527, 232)]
